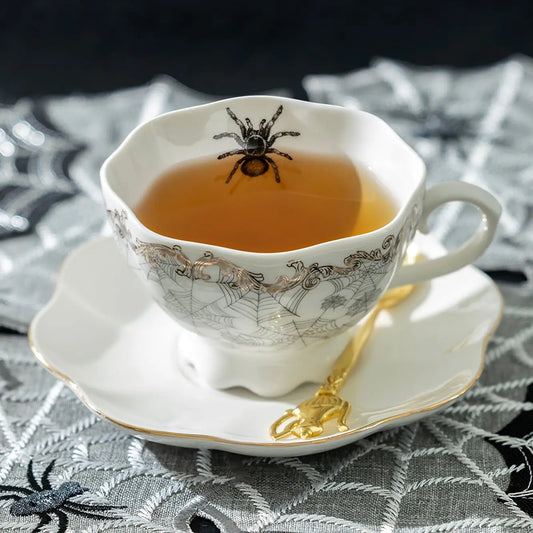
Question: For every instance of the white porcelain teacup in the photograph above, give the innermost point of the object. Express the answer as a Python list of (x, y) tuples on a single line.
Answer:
[(271, 321)]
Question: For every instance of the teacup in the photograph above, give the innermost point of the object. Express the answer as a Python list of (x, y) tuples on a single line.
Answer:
[(271, 321)]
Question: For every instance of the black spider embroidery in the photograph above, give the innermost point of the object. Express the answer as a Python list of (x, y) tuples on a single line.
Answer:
[(255, 144), (440, 125), (435, 122), (43, 500)]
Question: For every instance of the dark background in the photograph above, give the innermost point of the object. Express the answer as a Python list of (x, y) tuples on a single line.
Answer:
[(234, 47)]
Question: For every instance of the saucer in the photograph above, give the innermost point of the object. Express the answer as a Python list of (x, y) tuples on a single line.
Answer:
[(116, 349)]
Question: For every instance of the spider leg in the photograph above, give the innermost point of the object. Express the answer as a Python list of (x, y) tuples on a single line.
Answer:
[(240, 142), (262, 124), (281, 134), (462, 152), (78, 512), (45, 482), (250, 125), (237, 121), (270, 123), (24, 490), (87, 507), (236, 166), (275, 168), (404, 114), (227, 154), (15, 497), (63, 520), (276, 151), (45, 519), (31, 477)]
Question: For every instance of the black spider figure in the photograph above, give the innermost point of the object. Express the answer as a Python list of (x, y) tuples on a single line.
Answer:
[(255, 145), (42, 500), (434, 122), (440, 125)]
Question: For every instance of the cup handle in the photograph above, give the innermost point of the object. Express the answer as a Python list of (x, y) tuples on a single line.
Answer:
[(468, 252)]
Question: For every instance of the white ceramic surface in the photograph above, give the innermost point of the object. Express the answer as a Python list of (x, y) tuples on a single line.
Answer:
[(255, 316), (102, 333)]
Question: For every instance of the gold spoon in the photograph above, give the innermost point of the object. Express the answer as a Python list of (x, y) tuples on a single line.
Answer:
[(306, 420)]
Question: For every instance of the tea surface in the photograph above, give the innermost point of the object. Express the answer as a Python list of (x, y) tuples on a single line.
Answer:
[(318, 199)]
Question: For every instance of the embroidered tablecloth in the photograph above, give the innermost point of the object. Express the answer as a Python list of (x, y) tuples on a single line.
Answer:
[(467, 468)]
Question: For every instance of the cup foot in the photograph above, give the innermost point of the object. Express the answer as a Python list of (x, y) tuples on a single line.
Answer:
[(267, 373)]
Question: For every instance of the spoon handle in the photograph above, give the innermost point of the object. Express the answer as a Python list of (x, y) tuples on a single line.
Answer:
[(346, 361)]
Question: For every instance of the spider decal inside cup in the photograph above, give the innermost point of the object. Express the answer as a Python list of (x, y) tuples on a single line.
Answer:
[(255, 144)]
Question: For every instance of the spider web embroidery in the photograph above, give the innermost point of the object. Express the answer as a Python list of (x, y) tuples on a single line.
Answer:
[(34, 161), (520, 487)]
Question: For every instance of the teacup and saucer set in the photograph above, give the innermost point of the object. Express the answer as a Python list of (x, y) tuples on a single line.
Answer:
[(200, 345)]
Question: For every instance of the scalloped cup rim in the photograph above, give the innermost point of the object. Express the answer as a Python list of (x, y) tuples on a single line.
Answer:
[(340, 244)]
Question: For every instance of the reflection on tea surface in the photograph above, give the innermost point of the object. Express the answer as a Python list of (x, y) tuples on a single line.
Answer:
[(318, 199)]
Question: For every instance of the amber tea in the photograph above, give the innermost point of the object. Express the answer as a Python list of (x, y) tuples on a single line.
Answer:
[(317, 199)]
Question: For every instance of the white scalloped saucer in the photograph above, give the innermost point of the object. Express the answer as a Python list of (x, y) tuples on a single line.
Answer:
[(115, 348)]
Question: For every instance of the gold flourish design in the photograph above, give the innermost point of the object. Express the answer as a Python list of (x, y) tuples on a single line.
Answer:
[(242, 279)]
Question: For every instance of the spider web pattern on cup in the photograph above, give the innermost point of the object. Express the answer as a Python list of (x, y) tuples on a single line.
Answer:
[(442, 474), (274, 311)]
